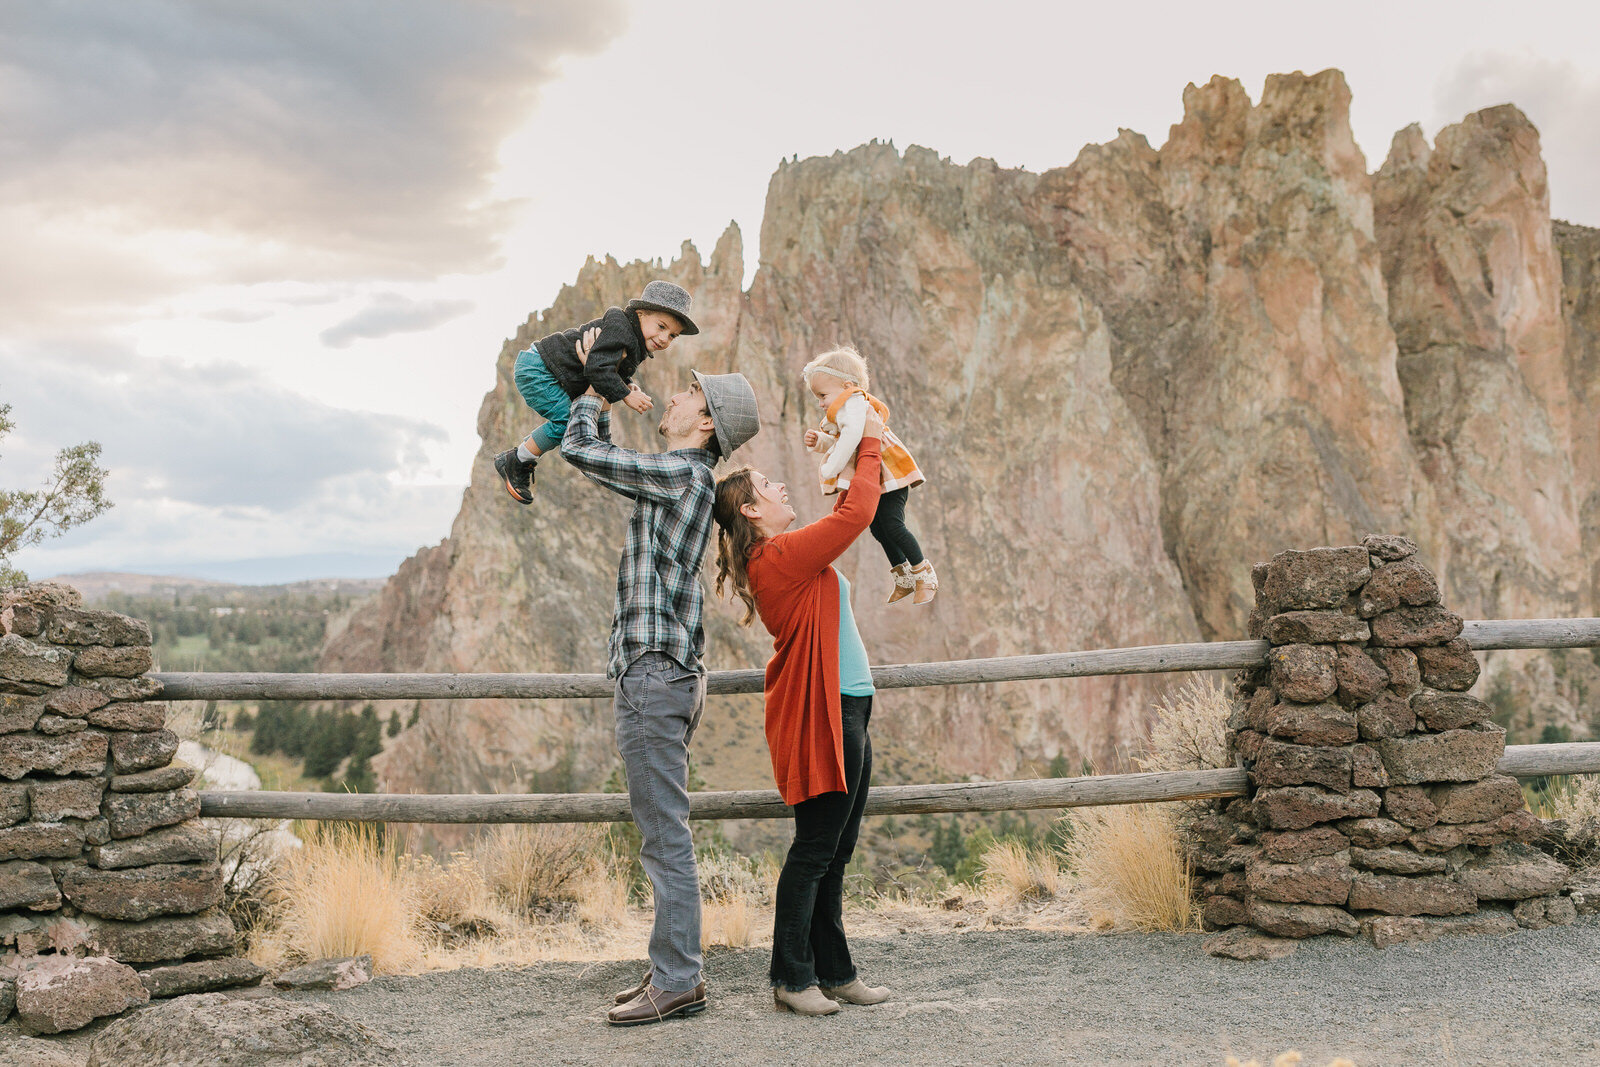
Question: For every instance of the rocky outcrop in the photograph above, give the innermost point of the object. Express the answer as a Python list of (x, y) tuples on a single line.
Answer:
[(1124, 377)]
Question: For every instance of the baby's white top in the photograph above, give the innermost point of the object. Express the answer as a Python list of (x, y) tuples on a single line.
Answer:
[(852, 423)]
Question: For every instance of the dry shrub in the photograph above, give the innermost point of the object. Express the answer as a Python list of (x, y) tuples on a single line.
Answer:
[(1190, 731), (527, 866), (454, 898), (725, 877), (344, 893), (1129, 864), (1012, 873), (1291, 1058), (1575, 799)]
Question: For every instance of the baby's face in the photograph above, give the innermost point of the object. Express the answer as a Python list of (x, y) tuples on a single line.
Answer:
[(825, 386), (659, 329)]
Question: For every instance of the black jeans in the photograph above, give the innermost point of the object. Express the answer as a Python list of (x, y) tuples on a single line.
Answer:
[(808, 945), (889, 529)]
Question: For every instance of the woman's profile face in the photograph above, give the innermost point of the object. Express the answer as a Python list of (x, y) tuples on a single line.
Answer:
[(771, 511)]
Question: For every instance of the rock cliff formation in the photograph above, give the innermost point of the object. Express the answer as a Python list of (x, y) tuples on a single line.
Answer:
[(1126, 378)]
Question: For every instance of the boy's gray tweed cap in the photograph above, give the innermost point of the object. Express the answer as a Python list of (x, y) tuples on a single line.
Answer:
[(664, 296), (731, 404)]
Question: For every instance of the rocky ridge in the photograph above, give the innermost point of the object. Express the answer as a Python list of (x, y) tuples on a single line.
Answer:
[(1124, 377)]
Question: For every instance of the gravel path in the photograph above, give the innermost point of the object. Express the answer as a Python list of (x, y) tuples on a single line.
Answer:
[(1025, 997)]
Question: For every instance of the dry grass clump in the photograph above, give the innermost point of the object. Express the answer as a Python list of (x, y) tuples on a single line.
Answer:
[(1190, 731), (1013, 873), (1575, 798), (1127, 863), (1292, 1058)]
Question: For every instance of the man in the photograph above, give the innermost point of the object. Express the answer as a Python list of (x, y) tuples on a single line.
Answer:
[(655, 650)]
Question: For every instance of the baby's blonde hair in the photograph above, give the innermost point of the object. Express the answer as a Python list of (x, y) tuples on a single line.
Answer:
[(842, 362)]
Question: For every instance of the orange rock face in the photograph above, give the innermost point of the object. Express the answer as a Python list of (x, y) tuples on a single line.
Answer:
[(1125, 379)]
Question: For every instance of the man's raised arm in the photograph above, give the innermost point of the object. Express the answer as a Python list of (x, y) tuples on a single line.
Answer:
[(662, 478)]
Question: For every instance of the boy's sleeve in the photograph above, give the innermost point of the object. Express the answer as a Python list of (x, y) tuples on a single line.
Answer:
[(852, 423), (609, 350), (662, 478)]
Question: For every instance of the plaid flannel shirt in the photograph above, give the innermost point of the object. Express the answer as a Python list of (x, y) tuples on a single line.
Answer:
[(659, 597)]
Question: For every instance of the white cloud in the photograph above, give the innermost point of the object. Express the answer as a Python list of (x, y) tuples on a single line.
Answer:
[(391, 313), (1561, 100)]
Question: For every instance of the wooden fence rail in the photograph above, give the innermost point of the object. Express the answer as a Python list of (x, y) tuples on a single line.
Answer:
[(1483, 635), (1523, 761)]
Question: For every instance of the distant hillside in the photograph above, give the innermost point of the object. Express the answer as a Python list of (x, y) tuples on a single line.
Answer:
[(97, 585)]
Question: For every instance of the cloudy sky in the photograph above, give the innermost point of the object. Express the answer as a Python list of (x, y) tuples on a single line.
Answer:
[(266, 251)]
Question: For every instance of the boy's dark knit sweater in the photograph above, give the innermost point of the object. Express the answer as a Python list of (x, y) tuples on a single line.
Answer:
[(616, 354)]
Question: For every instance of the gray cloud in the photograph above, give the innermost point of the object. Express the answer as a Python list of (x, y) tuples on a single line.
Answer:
[(391, 313), (335, 140), (216, 436), (1561, 100)]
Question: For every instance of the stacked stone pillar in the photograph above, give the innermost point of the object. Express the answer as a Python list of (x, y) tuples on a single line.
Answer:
[(100, 850), (1374, 804)]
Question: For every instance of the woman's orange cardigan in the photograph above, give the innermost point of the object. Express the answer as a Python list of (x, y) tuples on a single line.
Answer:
[(797, 597)]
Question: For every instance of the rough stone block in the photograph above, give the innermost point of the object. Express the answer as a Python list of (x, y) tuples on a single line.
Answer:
[(60, 993), (1315, 578), (1480, 801), (1319, 880), (128, 690), (1396, 861), (1246, 744), (1448, 711), (1408, 627), (1387, 716), (1374, 833), (140, 893), (1366, 767), (1281, 763), (13, 802), (132, 814), (1359, 676), (1452, 756), (1519, 826), (1450, 666), (66, 798), (186, 843), (75, 701), (22, 660), (19, 712), (1302, 920), (135, 717), (1230, 884), (55, 725), (1292, 846), (1243, 943), (79, 627), (1400, 664), (202, 976), (41, 840), (216, 1029), (1404, 582), (80, 753), (1514, 872), (1312, 724), (1389, 547), (1401, 895), (131, 752), (1300, 806), (1314, 628), (1410, 804), (175, 775), (28, 885), (1303, 673), (97, 661), (210, 933), (1387, 930), (1537, 913), (345, 972)]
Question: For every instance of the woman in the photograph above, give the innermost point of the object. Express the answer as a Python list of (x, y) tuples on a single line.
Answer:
[(819, 701)]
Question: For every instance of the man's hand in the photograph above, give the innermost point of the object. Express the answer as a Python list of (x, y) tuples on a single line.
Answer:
[(638, 399), (811, 439), (585, 343), (605, 405), (874, 427)]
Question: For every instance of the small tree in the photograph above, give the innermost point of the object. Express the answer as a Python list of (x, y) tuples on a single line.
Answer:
[(74, 494)]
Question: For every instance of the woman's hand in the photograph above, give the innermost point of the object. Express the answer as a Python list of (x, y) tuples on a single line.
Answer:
[(638, 399), (874, 425), (585, 343), (811, 439)]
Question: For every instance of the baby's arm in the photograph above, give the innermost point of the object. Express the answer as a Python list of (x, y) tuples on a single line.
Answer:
[(852, 421), (819, 441)]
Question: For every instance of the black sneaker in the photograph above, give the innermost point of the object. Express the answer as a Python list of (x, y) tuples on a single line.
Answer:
[(517, 476)]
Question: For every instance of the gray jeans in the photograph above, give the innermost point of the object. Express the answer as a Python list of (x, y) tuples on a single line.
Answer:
[(658, 705)]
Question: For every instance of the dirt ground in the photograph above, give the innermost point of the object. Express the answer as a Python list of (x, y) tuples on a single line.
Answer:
[(1024, 997)]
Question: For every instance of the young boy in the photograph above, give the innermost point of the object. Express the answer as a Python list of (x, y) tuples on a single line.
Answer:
[(549, 374)]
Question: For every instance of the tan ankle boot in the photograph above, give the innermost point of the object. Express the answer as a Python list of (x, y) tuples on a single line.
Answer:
[(808, 1001), (856, 992), (904, 584), (927, 582)]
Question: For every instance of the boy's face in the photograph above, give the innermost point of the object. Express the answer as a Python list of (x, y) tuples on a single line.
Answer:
[(659, 328)]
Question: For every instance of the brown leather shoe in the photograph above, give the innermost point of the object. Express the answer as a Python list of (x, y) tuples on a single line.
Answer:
[(654, 1005), (628, 994)]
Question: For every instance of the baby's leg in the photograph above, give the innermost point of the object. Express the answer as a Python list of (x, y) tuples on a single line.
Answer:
[(889, 529)]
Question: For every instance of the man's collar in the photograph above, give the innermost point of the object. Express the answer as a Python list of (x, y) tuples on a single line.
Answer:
[(700, 455)]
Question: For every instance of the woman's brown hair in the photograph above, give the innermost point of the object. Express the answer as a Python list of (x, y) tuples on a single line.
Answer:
[(736, 535)]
